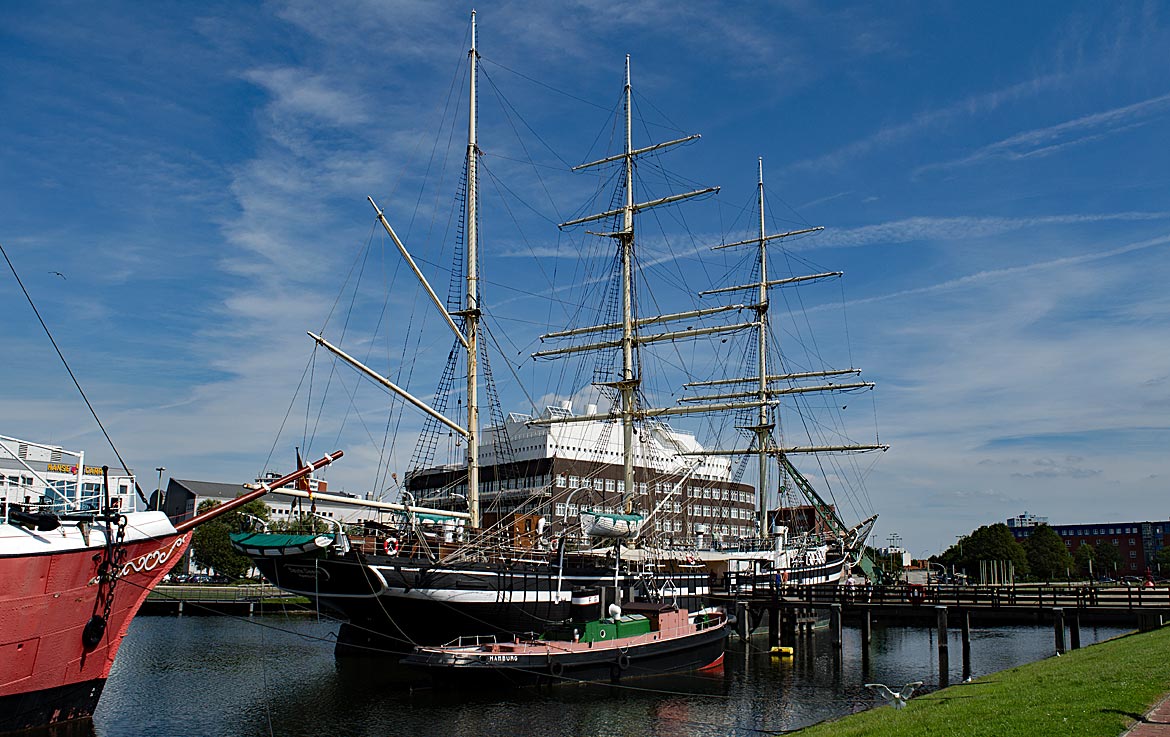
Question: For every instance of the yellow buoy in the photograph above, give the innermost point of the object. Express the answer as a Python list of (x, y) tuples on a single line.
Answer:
[(781, 652)]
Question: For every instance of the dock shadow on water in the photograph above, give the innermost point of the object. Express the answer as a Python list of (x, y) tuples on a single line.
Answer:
[(278, 676)]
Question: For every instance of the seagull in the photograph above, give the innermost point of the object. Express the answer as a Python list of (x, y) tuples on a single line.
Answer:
[(58, 273), (898, 700)]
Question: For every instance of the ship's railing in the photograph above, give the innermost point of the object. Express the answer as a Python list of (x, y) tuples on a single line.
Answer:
[(472, 641), (19, 497)]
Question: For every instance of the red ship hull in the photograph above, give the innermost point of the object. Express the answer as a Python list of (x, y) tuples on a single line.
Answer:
[(48, 673), (63, 615)]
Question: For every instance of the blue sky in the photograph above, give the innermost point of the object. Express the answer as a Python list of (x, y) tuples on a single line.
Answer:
[(993, 180)]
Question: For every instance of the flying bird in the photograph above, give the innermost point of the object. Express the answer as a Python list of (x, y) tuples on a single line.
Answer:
[(58, 273), (898, 700)]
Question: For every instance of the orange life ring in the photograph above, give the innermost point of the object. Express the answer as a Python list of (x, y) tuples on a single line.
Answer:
[(690, 559), (390, 546)]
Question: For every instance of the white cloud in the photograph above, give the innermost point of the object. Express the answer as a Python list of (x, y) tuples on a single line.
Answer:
[(1053, 138)]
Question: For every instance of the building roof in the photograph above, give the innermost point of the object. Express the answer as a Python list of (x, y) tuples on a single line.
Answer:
[(209, 488)]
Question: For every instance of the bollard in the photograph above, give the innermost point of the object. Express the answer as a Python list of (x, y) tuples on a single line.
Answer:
[(1058, 629), (835, 624)]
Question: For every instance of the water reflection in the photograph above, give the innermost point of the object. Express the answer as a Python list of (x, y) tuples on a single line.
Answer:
[(275, 675)]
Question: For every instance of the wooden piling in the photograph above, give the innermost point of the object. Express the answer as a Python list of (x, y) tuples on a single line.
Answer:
[(1074, 629), (866, 630), (965, 628), (835, 624), (788, 628), (944, 655), (774, 618), (1058, 629)]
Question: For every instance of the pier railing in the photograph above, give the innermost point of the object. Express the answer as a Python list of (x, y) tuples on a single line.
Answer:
[(1099, 597), (245, 593)]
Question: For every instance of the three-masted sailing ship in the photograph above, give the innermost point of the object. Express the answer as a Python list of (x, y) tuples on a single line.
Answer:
[(561, 515)]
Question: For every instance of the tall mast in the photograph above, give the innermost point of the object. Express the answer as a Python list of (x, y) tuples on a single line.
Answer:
[(763, 427), (471, 312), (628, 382)]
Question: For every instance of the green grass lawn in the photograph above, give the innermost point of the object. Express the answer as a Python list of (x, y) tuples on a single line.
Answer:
[(1093, 692)]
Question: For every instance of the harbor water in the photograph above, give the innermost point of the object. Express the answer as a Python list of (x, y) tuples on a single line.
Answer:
[(277, 675)]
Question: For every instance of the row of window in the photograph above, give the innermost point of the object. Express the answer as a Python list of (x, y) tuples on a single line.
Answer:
[(697, 510), (565, 480), (1103, 530), (686, 528), (1072, 543)]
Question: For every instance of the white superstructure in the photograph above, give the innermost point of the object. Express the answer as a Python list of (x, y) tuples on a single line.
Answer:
[(658, 446)]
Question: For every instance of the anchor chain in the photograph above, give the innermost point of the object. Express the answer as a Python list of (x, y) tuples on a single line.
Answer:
[(109, 573)]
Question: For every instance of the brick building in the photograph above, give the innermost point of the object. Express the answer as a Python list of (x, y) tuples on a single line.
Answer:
[(1138, 542)]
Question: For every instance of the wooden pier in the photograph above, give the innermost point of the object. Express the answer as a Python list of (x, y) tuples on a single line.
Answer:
[(792, 610), (787, 607), (247, 600)]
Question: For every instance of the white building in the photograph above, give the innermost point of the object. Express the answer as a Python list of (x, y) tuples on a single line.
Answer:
[(37, 474)]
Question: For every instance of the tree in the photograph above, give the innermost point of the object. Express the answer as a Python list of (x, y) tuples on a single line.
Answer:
[(211, 546), (988, 543), (1162, 560), (303, 523), (1048, 557), (1108, 558), (1085, 559)]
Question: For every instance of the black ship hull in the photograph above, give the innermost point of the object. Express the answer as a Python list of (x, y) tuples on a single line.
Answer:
[(70, 704), (390, 604)]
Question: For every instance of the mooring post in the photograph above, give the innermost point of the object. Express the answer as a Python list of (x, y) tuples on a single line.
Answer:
[(741, 619), (965, 628), (835, 623), (774, 617), (944, 655), (1058, 629), (1074, 629), (788, 628), (866, 632)]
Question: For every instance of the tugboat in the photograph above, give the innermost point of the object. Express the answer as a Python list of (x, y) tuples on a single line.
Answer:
[(640, 639)]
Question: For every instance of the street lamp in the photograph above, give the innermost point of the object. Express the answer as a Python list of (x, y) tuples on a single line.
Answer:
[(161, 494)]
